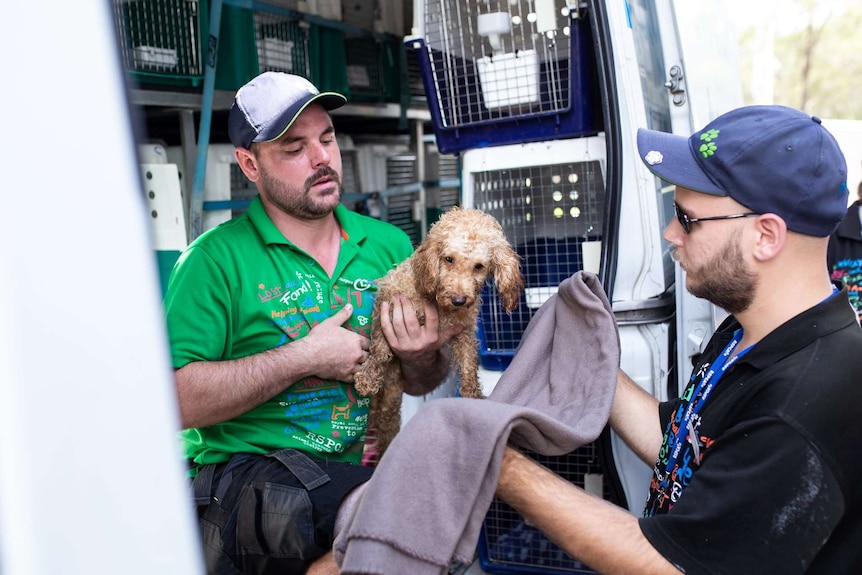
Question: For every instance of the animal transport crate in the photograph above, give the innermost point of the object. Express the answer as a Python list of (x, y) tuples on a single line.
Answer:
[(509, 544), (281, 40), (373, 68), (552, 214), (161, 41), (401, 205), (505, 71), (257, 37)]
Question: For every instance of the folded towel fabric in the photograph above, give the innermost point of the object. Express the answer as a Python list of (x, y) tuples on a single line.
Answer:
[(424, 506)]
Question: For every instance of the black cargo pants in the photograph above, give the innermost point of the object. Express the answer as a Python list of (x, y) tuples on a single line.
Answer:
[(273, 513)]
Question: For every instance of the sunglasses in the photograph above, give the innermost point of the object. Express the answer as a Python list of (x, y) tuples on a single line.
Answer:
[(685, 221)]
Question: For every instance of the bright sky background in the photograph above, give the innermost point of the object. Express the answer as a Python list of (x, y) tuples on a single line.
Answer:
[(783, 14)]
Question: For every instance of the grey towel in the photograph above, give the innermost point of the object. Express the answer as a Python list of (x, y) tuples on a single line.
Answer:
[(425, 504)]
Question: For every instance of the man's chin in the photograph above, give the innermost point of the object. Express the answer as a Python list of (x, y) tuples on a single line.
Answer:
[(323, 205), (322, 194), (692, 286)]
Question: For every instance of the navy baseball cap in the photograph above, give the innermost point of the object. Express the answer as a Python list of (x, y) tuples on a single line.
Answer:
[(770, 159), (265, 108)]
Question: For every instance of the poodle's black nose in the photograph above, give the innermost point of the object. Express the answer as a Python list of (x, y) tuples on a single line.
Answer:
[(459, 300)]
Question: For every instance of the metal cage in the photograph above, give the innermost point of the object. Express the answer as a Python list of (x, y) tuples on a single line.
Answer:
[(506, 71), (553, 215), (161, 39), (509, 544), (282, 42)]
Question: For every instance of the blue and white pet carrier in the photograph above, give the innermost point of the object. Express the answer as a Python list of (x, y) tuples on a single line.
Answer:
[(501, 71), (550, 199)]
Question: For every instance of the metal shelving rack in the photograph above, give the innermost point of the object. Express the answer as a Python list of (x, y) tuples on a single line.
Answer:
[(283, 46)]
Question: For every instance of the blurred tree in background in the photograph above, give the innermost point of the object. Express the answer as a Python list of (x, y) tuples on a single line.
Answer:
[(814, 64)]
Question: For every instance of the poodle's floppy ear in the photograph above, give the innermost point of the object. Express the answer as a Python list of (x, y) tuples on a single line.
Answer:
[(506, 271), (426, 267)]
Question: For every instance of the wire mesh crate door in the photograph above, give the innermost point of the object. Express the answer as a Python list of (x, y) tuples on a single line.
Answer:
[(364, 65), (495, 59), (548, 213), (401, 205), (282, 43), (161, 37), (509, 544)]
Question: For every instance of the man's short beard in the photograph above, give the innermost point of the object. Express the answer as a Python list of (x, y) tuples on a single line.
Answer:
[(724, 280), (297, 202)]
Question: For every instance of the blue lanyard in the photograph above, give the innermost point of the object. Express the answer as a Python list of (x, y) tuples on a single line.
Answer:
[(686, 430), (701, 393)]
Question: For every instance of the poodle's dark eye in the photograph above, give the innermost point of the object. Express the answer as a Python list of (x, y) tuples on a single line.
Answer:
[(479, 267), (449, 259)]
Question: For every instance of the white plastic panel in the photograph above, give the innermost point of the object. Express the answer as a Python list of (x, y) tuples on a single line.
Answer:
[(92, 479), (165, 203)]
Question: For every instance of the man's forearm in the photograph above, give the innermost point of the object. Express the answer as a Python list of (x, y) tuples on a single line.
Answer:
[(635, 418), (602, 535), (210, 392), (423, 377)]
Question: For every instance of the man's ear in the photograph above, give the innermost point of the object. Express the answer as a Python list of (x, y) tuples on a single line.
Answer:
[(247, 163), (771, 235)]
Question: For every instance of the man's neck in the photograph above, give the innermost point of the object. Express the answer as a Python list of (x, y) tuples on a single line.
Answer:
[(777, 303), (320, 238)]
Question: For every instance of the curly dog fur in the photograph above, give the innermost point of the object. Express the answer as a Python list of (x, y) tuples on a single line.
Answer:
[(462, 250)]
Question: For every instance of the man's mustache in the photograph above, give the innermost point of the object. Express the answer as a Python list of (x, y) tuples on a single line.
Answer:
[(323, 172)]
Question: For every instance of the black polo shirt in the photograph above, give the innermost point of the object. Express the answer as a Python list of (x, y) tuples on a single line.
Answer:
[(779, 485)]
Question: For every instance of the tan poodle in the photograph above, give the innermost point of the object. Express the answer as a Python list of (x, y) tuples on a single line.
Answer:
[(462, 250)]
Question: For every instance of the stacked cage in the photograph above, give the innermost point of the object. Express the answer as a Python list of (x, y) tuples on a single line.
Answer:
[(512, 89), (550, 199), (400, 205), (443, 183), (282, 40), (500, 71), (372, 57), (161, 40), (552, 214)]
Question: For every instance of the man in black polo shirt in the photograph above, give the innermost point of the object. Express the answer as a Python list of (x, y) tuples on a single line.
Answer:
[(756, 467)]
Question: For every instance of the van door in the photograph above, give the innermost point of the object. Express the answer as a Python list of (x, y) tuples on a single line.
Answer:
[(91, 475)]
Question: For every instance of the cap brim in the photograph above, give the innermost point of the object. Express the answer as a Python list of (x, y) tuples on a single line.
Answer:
[(329, 101), (670, 157)]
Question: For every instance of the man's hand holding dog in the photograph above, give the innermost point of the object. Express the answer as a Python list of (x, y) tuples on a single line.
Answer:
[(418, 345), (336, 352)]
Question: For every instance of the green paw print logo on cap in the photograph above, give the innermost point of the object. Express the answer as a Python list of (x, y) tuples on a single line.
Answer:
[(708, 148)]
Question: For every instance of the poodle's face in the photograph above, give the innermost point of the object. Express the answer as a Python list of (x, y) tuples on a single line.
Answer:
[(462, 250), (464, 265)]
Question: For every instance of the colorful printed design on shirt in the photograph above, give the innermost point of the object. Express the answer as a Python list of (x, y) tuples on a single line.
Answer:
[(321, 415), (303, 302), (849, 272), (319, 418), (666, 488)]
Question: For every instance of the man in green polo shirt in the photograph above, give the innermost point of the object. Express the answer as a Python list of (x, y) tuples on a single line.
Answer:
[(269, 317)]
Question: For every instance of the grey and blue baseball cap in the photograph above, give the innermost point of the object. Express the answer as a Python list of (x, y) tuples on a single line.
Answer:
[(266, 107), (770, 159)]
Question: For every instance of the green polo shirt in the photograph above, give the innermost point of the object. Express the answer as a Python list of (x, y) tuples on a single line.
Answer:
[(241, 289)]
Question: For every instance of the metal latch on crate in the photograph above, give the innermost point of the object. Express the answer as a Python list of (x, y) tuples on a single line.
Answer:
[(575, 8)]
